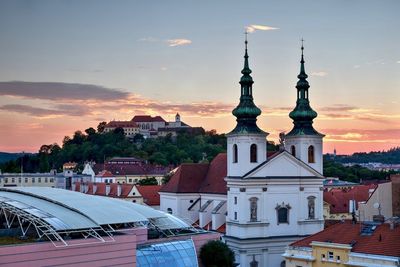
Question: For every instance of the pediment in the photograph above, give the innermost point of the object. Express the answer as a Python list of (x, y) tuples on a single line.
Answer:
[(282, 165)]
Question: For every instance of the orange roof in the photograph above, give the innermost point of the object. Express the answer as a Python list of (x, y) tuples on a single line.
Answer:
[(150, 194), (339, 199), (105, 174), (382, 241)]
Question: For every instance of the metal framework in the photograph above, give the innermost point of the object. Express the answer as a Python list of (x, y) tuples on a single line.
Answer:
[(27, 217)]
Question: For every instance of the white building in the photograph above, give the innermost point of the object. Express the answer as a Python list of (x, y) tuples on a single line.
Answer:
[(270, 202)]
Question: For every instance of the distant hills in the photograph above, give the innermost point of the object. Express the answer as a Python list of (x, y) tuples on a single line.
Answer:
[(5, 156), (391, 156)]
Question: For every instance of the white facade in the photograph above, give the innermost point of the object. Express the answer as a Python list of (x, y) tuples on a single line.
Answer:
[(285, 183), (241, 165), (302, 144)]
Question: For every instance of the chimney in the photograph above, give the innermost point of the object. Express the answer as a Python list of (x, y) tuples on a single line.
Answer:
[(107, 189), (118, 190)]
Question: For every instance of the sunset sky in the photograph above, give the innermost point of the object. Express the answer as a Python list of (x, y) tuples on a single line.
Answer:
[(67, 65)]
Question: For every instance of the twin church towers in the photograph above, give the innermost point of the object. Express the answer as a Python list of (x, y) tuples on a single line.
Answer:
[(274, 201), (247, 142)]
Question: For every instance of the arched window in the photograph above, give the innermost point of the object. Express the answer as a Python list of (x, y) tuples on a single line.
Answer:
[(282, 213), (311, 207), (235, 153), (311, 158), (293, 151), (253, 153), (253, 209), (169, 210)]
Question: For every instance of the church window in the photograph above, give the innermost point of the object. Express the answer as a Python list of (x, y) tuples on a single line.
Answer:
[(311, 207), (293, 151), (235, 153), (254, 263), (169, 210), (253, 209), (235, 200), (283, 264), (253, 153), (282, 212), (235, 217), (311, 158)]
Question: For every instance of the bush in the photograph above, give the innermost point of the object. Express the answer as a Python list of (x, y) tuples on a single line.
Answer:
[(216, 254)]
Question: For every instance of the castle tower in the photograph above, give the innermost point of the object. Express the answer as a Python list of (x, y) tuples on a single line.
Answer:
[(246, 143), (303, 141)]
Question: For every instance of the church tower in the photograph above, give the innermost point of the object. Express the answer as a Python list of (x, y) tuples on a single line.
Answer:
[(246, 143), (303, 141)]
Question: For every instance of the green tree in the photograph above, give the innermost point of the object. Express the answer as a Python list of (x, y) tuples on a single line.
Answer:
[(148, 181), (101, 126), (216, 254)]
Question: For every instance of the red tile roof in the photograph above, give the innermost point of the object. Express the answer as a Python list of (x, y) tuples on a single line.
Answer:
[(339, 198), (187, 179), (383, 241), (214, 182), (105, 174), (147, 118), (123, 124), (132, 169), (150, 194)]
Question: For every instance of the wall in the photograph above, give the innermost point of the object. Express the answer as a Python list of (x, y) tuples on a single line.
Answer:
[(381, 195)]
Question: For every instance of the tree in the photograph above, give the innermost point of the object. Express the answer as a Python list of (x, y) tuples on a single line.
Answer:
[(101, 126), (90, 131), (216, 254), (148, 181)]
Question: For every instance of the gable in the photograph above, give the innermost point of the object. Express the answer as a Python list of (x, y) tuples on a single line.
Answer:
[(283, 165)]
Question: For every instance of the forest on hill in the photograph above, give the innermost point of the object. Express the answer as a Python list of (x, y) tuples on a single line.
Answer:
[(98, 146), (391, 156)]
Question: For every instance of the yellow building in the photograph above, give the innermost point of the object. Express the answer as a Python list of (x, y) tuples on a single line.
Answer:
[(347, 244)]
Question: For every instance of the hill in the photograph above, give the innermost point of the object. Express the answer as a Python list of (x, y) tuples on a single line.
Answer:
[(391, 156), (5, 156)]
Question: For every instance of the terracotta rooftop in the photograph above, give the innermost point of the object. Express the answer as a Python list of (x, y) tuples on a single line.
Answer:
[(147, 118), (382, 241), (187, 179), (338, 199), (105, 174), (214, 182), (150, 194)]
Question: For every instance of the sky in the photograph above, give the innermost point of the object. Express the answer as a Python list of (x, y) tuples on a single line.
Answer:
[(68, 65)]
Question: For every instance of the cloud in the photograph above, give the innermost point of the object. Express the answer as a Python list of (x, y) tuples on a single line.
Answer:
[(319, 73), (356, 66), (398, 61), (60, 91), (253, 27), (178, 42), (338, 107), (148, 39), (363, 135), (47, 113)]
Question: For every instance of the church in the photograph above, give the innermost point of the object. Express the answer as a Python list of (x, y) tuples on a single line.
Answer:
[(262, 202)]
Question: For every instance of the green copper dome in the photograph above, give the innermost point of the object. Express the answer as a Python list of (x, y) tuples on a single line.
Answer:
[(303, 115), (246, 112)]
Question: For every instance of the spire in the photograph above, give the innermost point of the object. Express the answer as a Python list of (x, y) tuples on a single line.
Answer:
[(246, 112), (303, 115)]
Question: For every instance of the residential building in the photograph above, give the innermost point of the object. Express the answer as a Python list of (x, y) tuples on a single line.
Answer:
[(130, 127), (348, 244)]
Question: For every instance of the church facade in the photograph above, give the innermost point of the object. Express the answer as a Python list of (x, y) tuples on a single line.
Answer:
[(267, 201)]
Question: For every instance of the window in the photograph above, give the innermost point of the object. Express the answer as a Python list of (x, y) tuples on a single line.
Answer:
[(311, 207), (46, 180), (235, 215), (235, 153), (293, 151), (39, 180), (13, 180), (51, 180), (311, 154), (169, 210), (338, 258), (33, 179), (254, 263), (19, 180), (253, 153), (235, 200), (323, 257), (253, 209), (5, 180), (282, 211), (26, 179), (330, 255)]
